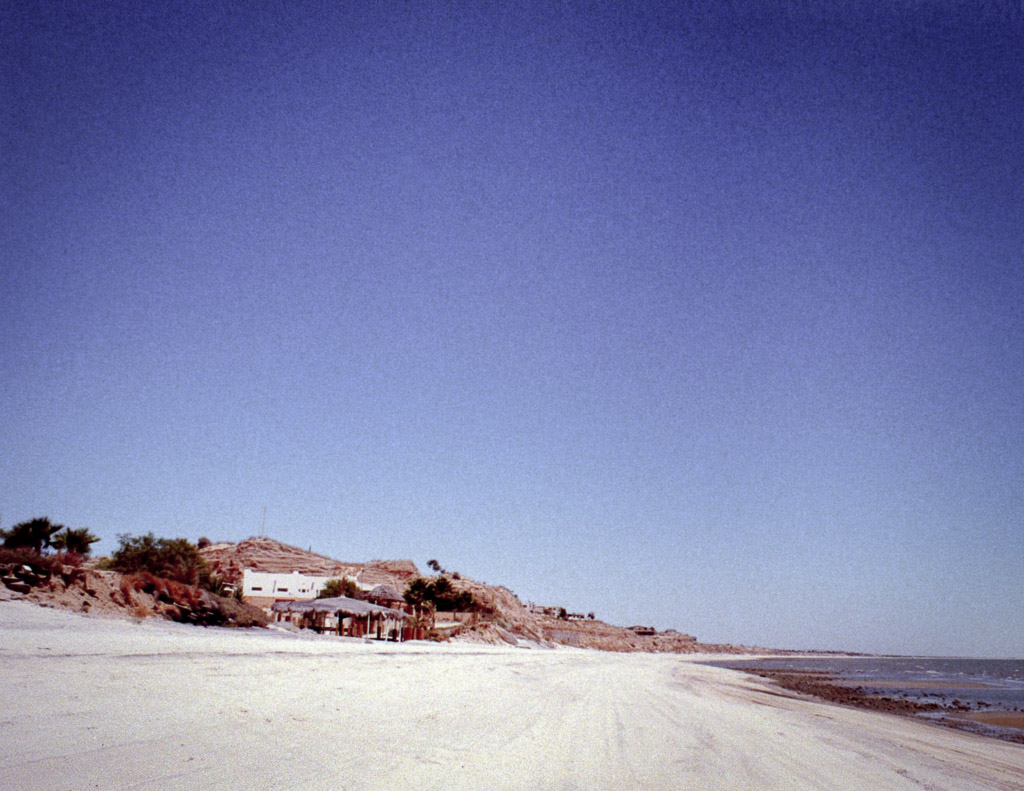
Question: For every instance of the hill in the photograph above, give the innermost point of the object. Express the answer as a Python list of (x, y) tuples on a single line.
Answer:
[(265, 554), (503, 616)]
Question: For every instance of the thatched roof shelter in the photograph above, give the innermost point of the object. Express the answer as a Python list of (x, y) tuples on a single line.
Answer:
[(342, 605), (383, 594)]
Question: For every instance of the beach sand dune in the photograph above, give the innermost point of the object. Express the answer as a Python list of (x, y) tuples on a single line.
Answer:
[(108, 704)]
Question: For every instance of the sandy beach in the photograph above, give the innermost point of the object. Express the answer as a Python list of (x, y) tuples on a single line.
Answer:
[(91, 703)]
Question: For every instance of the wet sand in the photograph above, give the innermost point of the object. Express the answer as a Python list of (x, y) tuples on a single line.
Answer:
[(861, 695), (923, 685), (1004, 719)]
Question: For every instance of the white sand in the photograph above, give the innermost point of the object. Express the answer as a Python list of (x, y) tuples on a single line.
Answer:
[(88, 703)]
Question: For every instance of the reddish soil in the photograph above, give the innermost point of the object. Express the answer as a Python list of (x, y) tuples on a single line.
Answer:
[(51, 583)]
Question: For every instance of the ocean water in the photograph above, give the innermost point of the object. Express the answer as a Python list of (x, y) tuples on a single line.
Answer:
[(978, 684)]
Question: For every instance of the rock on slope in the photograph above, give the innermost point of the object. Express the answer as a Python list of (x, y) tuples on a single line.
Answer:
[(266, 554), (507, 620)]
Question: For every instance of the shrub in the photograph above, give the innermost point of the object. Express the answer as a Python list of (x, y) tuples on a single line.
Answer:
[(339, 587), (173, 558), (214, 583), (69, 558), (26, 556), (330, 589), (441, 594), (126, 590)]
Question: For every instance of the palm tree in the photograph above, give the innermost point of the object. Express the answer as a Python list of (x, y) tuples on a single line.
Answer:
[(34, 534), (71, 539)]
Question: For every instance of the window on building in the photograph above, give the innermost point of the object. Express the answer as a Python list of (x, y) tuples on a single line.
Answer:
[(257, 587)]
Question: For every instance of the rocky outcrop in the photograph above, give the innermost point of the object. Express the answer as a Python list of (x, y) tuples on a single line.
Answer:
[(504, 618), (265, 554)]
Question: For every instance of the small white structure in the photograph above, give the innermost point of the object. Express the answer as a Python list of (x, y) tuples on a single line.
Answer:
[(281, 586)]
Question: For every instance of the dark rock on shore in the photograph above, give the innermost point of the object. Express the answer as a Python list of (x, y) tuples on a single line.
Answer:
[(821, 686)]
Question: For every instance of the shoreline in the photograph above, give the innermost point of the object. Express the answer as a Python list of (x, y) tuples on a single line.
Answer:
[(1002, 725)]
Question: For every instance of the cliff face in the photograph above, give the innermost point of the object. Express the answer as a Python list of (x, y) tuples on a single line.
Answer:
[(266, 554)]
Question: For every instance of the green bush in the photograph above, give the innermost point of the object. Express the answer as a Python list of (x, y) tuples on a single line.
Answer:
[(330, 589), (171, 558), (214, 583), (441, 594), (339, 587)]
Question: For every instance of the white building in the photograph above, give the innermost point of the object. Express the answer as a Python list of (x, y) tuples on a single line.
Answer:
[(281, 586)]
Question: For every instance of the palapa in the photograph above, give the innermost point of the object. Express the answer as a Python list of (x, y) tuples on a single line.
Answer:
[(338, 605), (385, 593)]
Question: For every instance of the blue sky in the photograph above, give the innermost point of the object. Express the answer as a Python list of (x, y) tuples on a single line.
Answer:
[(707, 319)]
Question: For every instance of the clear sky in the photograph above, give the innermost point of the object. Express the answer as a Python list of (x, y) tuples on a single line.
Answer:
[(712, 320)]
